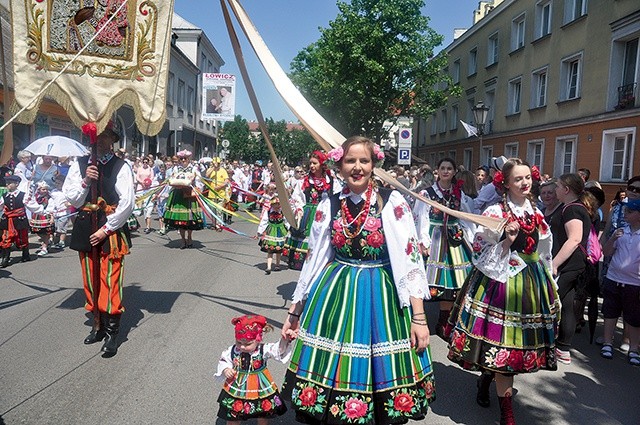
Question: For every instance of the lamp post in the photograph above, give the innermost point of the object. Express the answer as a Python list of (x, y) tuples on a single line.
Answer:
[(480, 112)]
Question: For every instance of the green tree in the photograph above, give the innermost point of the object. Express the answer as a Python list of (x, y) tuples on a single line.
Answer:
[(242, 144), (373, 63), (291, 146)]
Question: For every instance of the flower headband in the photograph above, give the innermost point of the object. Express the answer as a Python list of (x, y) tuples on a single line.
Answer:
[(321, 156), (498, 177), (336, 154), (184, 153)]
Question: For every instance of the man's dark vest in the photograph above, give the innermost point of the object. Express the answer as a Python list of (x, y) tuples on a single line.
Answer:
[(107, 190)]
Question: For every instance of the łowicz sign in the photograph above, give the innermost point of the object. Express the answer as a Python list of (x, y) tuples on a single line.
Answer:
[(125, 58), (218, 97)]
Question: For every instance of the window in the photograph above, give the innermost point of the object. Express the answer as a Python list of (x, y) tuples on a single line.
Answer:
[(471, 103), (517, 32), (190, 100), (617, 154), (570, 77), (467, 159), (433, 159), (492, 49), (170, 88), (573, 9), (452, 155), (180, 101), (630, 65), (434, 124), (543, 18), (456, 71), (515, 91), (473, 61), (539, 88), (511, 150), (486, 154), (535, 153), (443, 121), (454, 118), (565, 155)]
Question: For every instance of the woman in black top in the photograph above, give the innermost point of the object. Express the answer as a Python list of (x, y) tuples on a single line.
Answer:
[(570, 229)]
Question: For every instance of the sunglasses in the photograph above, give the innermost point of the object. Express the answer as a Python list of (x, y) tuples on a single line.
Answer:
[(634, 189)]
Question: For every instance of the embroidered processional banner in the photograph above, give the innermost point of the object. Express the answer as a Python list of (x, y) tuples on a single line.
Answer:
[(125, 58)]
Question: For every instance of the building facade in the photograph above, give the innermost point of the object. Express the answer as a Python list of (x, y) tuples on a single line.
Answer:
[(560, 78)]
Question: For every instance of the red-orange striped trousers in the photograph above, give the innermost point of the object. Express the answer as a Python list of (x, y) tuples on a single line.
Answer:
[(111, 280)]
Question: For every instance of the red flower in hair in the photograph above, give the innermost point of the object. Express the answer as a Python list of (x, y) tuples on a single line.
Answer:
[(498, 179), (535, 173)]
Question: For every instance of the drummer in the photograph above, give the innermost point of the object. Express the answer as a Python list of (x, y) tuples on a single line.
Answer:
[(42, 223)]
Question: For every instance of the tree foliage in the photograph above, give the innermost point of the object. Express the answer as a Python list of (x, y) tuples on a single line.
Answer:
[(374, 62), (291, 147)]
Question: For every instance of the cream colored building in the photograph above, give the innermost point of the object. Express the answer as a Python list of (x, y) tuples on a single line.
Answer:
[(560, 78)]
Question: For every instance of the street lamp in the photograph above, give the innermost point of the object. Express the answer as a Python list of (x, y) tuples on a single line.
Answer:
[(480, 112)]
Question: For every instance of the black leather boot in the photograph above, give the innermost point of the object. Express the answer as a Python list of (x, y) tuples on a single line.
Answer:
[(25, 255), (443, 317), (112, 327), (96, 335), (484, 383), (4, 257)]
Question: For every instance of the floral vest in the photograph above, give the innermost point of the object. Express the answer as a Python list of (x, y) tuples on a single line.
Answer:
[(369, 243)]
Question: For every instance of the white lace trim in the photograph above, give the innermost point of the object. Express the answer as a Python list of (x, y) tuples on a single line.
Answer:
[(354, 349), (477, 308)]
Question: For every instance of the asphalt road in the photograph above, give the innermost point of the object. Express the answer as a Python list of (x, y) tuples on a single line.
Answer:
[(179, 304)]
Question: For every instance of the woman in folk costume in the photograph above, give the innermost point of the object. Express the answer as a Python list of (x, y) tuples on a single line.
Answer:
[(42, 221), (14, 224), (182, 210), (315, 187), (272, 232), (362, 354), (505, 319), (444, 239), (249, 390)]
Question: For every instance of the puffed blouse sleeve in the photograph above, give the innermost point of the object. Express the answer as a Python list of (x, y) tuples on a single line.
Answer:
[(320, 251), (278, 351), (545, 242), (264, 221), (224, 362), (421, 217), (488, 254), (402, 242)]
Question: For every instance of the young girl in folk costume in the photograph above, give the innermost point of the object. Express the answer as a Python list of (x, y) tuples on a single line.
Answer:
[(272, 232), (14, 224), (505, 319), (316, 186), (182, 210), (249, 390), (42, 221), (445, 240), (361, 354)]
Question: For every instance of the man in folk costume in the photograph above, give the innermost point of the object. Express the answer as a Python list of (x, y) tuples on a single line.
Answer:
[(116, 200), (14, 225)]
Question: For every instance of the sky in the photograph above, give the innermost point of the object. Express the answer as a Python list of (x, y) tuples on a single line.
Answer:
[(288, 26)]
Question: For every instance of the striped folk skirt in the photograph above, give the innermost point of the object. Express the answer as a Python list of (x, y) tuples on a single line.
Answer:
[(274, 237), (447, 266), (297, 245), (353, 361), (251, 394), (182, 210), (506, 327)]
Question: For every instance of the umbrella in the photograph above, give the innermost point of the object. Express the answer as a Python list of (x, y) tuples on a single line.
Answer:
[(57, 146), (205, 159)]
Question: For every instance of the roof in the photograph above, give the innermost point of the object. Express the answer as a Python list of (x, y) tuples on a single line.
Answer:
[(180, 23)]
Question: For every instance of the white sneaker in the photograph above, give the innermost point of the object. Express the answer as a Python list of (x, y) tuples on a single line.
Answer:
[(563, 357), (624, 347), (42, 252)]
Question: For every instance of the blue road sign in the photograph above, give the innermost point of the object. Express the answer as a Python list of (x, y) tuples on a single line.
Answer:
[(404, 153)]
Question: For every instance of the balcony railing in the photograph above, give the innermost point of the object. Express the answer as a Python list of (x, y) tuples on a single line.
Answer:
[(627, 96)]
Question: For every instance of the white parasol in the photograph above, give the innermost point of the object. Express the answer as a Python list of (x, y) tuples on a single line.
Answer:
[(58, 146)]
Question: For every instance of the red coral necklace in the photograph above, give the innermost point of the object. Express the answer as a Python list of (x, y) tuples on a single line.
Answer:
[(347, 218)]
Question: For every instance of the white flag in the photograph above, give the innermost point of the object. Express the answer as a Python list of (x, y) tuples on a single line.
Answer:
[(471, 130)]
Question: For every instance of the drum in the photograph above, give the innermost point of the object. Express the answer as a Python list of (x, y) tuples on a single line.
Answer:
[(41, 222)]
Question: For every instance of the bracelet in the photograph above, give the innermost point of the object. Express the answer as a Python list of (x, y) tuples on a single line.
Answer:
[(418, 314), (293, 314), (419, 322)]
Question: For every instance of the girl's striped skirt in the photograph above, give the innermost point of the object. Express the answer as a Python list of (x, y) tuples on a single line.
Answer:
[(297, 245), (274, 237), (506, 327), (353, 361), (447, 266), (250, 395)]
